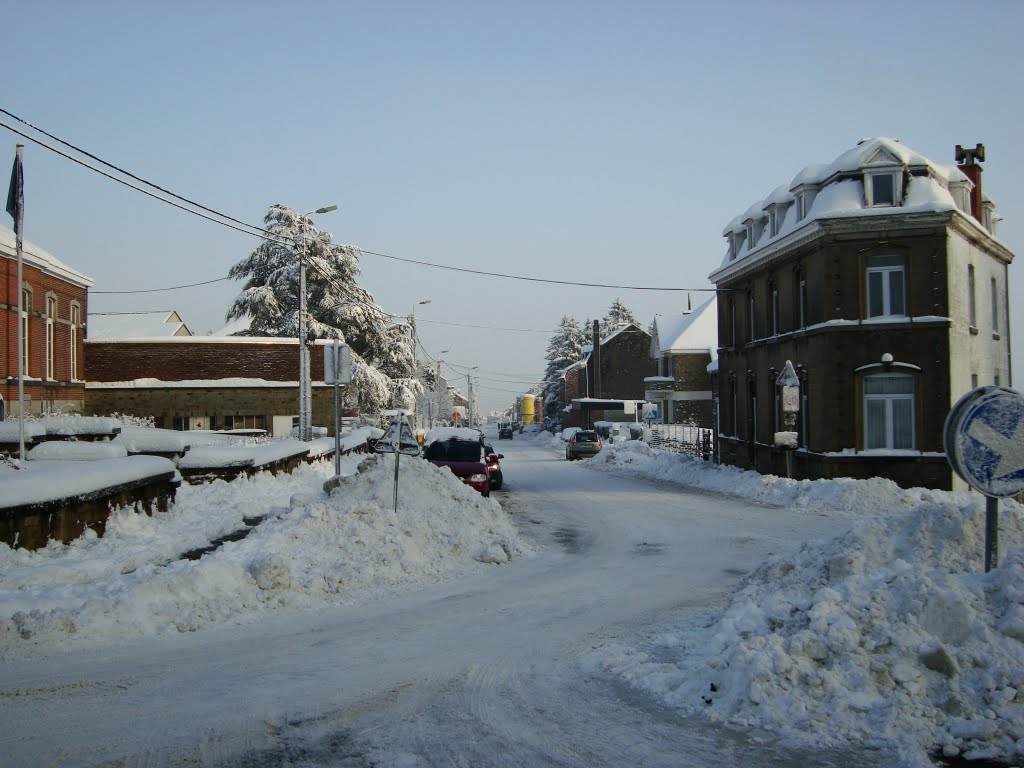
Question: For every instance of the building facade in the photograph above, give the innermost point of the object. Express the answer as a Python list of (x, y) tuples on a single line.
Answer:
[(880, 277), (206, 382), (683, 346), (609, 380), (53, 320)]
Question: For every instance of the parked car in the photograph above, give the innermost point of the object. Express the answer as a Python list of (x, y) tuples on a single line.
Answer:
[(465, 458), (494, 467), (505, 432), (586, 442), (568, 432)]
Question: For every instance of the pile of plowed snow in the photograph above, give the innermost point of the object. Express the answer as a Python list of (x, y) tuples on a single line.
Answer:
[(314, 547)]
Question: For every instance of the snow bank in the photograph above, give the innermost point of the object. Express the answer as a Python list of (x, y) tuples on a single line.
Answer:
[(313, 549), (889, 634), (41, 481), (60, 450), (840, 496)]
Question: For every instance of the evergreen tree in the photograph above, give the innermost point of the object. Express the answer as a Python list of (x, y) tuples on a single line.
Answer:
[(564, 349), (336, 306), (618, 315)]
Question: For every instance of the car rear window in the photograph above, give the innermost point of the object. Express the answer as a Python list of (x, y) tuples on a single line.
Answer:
[(586, 437), (453, 450)]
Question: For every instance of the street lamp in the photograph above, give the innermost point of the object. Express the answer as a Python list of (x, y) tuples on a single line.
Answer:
[(305, 385), (415, 363)]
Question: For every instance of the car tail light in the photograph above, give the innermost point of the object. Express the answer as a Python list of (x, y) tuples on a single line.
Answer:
[(477, 477), (599, 442)]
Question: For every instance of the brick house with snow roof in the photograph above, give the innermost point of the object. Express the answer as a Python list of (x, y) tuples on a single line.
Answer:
[(608, 381), (206, 382), (54, 301), (683, 346), (881, 278)]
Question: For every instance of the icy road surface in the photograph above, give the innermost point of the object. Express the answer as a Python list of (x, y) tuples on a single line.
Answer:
[(478, 672)]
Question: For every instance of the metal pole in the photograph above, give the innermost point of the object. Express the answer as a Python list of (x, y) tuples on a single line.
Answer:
[(303, 360), (469, 401), (991, 533), (337, 416), (438, 389), (22, 327)]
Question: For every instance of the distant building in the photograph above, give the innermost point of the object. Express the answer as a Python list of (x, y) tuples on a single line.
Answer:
[(881, 278), (205, 382), (608, 381), (106, 325), (683, 347), (54, 299)]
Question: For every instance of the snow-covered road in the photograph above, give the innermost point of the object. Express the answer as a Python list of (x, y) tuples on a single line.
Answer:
[(479, 671)]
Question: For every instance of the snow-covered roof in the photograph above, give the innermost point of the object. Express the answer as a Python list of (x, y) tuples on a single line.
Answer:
[(695, 331), (37, 257), (136, 324), (233, 327), (839, 189)]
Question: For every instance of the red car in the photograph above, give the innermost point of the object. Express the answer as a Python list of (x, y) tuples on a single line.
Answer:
[(466, 460)]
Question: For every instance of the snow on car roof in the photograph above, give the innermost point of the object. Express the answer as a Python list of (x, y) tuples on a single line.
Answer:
[(453, 433)]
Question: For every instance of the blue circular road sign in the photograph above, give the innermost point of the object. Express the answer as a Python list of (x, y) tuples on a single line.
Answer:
[(984, 440)]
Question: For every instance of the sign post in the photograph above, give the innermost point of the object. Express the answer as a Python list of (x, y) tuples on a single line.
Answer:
[(788, 384), (398, 439), (337, 370), (984, 443)]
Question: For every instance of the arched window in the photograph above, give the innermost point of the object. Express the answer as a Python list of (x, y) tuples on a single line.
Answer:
[(889, 411), (76, 319), (51, 334), (26, 310)]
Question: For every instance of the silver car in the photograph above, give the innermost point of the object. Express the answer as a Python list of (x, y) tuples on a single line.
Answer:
[(583, 443)]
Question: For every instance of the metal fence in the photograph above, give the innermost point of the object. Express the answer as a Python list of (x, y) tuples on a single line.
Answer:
[(682, 438)]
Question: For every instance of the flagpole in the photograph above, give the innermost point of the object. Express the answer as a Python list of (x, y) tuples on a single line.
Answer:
[(17, 186)]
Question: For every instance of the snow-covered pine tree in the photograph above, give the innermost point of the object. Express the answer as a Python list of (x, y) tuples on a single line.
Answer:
[(618, 315), (337, 307), (564, 349)]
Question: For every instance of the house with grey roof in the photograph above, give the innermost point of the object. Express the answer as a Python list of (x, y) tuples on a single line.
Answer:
[(683, 346), (881, 277)]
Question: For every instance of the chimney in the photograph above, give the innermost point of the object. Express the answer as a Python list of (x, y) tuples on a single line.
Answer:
[(597, 360), (967, 162)]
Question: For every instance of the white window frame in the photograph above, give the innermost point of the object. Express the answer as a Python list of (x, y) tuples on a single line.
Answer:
[(26, 307), (887, 299), (995, 304), (972, 297), (895, 175), (889, 402), (76, 317), (51, 335)]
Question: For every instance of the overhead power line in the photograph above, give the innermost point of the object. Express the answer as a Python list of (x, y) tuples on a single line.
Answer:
[(257, 231)]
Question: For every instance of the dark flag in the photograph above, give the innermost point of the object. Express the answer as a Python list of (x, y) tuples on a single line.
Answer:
[(16, 194)]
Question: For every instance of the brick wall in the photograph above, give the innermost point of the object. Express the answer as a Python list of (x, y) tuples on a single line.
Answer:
[(41, 393), (188, 358)]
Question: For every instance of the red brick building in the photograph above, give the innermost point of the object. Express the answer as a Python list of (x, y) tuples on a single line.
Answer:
[(54, 298)]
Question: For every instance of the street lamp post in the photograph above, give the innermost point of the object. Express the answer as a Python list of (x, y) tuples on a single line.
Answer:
[(469, 396), (305, 385), (415, 364)]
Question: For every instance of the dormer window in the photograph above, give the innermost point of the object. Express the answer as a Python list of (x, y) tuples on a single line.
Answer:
[(804, 201), (882, 188), (751, 235), (736, 243)]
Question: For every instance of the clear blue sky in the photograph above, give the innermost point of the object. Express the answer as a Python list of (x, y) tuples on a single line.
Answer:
[(594, 141)]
